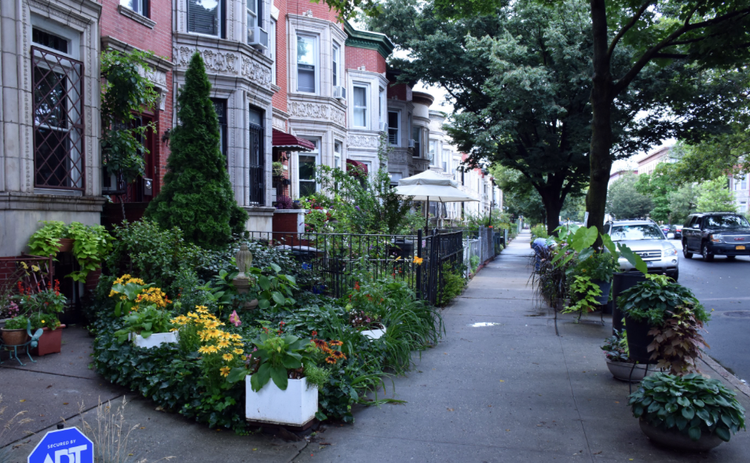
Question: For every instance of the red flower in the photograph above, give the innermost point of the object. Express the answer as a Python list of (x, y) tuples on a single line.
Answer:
[(356, 285), (314, 333)]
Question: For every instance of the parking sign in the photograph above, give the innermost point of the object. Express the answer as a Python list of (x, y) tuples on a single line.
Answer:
[(63, 446)]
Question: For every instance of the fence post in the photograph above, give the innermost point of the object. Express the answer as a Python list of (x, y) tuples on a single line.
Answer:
[(419, 267)]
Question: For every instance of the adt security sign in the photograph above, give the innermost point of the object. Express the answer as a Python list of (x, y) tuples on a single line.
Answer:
[(63, 446)]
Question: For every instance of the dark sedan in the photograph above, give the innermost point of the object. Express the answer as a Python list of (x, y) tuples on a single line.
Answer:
[(716, 233)]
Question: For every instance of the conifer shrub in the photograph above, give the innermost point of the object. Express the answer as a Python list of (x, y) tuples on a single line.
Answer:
[(197, 195)]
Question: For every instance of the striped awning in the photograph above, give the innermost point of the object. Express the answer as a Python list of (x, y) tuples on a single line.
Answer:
[(286, 142)]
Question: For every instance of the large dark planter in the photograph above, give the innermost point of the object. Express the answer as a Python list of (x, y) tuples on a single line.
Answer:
[(605, 287), (621, 282), (638, 340), (675, 439)]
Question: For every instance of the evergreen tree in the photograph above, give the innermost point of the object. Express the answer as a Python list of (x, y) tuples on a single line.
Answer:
[(197, 195)]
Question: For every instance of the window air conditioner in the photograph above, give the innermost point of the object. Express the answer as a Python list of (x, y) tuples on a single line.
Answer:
[(258, 38), (412, 143), (383, 126), (339, 92)]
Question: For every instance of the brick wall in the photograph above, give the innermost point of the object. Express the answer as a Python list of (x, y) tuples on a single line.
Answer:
[(400, 91), (280, 97), (371, 59)]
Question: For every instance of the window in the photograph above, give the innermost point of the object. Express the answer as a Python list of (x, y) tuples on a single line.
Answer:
[(257, 157), (254, 9), (139, 6), (272, 49), (416, 135), (206, 17), (393, 117), (306, 69), (381, 105), (57, 81), (740, 183), (307, 163), (359, 106), (337, 148), (336, 60), (220, 106)]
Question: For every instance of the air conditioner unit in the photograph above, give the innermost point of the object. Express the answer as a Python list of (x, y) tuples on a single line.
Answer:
[(257, 37), (339, 92), (383, 127), (412, 143), (112, 184)]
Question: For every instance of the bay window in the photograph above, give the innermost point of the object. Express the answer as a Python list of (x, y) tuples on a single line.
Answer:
[(206, 17), (306, 64), (359, 105)]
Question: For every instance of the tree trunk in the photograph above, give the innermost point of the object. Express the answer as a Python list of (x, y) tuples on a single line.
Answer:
[(552, 207), (601, 131)]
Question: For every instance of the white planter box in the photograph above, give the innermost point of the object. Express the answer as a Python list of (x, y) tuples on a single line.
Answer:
[(373, 334), (296, 406), (155, 340)]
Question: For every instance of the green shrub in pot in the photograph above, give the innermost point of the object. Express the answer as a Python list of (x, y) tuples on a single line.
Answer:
[(691, 405), (651, 300)]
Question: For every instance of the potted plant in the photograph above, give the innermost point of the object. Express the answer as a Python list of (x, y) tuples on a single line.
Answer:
[(282, 380), (14, 333), (650, 304), (278, 169), (598, 267), (50, 239), (688, 412), (617, 356), (148, 327), (43, 309), (368, 324)]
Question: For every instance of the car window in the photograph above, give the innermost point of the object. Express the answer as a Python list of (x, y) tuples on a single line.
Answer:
[(726, 222), (636, 232)]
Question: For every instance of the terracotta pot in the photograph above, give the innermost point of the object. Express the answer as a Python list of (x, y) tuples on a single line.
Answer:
[(66, 245), (675, 439), (14, 337), (50, 342)]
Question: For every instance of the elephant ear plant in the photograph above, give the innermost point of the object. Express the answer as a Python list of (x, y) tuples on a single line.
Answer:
[(692, 405)]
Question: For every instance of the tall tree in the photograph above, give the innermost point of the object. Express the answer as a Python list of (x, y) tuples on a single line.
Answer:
[(658, 185), (624, 201), (519, 196), (683, 202), (197, 195), (714, 196)]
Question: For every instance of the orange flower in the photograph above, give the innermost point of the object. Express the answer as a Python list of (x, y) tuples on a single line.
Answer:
[(336, 342), (331, 360), (338, 354), (356, 285)]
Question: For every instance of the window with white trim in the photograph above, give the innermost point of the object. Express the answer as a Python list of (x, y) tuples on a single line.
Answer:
[(381, 105), (307, 78), (393, 125), (306, 168), (337, 149), (139, 6), (433, 150), (57, 82), (336, 58), (416, 135), (359, 105), (206, 17)]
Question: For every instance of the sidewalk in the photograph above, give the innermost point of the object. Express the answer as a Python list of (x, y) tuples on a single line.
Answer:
[(499, 387)]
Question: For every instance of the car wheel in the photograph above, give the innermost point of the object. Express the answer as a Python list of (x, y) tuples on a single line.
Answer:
[(731, 257), (707, 256), (675, 275), (685, 252)]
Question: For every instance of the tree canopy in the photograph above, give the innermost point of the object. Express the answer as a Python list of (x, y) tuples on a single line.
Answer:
[(624, 201), (714, 196)]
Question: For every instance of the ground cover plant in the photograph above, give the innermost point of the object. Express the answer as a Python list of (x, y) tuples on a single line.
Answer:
[(220, 342)]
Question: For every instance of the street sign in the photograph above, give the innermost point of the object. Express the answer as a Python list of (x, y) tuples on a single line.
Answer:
[(63, 446)]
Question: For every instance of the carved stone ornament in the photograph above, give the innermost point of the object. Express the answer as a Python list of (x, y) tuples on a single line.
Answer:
[(225, 63), (316, 111), (363, 141)]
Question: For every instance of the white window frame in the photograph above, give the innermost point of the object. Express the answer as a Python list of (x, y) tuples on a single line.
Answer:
[(249, 12), (338, 148), (221, 16), (397, 128), (316, 61), (432, 151), (272, 49), (366, 89), (136, 5), (381, 105), (336, 64), (316, 155)]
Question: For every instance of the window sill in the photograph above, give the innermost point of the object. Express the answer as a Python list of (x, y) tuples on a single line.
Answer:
[(137, 17), (57, 192)]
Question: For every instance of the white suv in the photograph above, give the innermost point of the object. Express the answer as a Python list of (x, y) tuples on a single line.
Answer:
[(647, 240)]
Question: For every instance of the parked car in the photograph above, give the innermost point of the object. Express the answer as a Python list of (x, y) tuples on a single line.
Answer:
[(647, 240), (674, 232), (716, 233), (665, 229)]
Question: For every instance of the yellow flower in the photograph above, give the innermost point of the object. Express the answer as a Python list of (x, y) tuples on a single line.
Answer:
[(35, 268), (23, 264), (225, 371), (238, 351), (418, 260), (227, 357), (223, 343)]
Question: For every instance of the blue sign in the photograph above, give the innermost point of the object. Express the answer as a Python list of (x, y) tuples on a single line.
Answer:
[(63, 446)]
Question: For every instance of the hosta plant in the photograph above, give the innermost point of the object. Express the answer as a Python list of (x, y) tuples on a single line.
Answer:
[(690, 404)]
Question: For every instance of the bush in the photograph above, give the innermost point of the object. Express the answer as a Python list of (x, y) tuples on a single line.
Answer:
[(453, 284), (539, 231)]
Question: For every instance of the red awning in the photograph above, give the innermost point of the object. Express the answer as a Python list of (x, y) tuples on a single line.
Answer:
[(286, 142), (361, 166)]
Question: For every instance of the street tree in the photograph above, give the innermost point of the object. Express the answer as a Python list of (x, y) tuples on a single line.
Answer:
[(657, 186), (683, 202), (520, 198), (197, 195), (714, 196), (624, 201)]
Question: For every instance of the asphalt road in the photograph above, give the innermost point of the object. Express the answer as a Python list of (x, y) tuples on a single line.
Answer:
[(724, 287)]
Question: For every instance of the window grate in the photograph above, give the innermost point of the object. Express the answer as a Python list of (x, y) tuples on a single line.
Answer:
[(58, 120)]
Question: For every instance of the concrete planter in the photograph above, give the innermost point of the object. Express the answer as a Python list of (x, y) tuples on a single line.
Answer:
[(675, 439), (373, 334), (155, 340), (296, 406), (621, 371)]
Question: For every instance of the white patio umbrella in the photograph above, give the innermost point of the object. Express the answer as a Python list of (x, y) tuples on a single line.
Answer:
[(431, 186)]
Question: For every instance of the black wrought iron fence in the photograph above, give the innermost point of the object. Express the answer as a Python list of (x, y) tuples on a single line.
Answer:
[(333, 260)]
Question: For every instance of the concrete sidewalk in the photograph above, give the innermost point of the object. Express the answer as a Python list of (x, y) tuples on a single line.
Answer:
[(500, 386)]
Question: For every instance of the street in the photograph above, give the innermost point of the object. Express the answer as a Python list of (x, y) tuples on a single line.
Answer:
[(722, 286)]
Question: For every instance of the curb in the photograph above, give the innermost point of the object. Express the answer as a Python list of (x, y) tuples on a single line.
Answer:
[(726, 375)]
